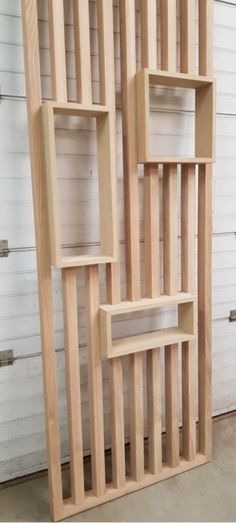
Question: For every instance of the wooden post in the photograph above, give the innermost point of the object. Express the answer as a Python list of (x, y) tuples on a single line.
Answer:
[(205, 250), (187, 65)]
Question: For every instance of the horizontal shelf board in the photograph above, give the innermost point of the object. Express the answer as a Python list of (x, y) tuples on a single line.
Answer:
[(86, 259), (157, 77), (148, 303), (149, 340), (176, 160), (72, 108)]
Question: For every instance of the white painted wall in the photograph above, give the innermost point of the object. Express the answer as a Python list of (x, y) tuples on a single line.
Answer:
[(22, 434)]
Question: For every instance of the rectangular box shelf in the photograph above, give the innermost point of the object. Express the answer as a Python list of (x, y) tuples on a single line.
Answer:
[(105, 127), (185, 331), (204, 114)]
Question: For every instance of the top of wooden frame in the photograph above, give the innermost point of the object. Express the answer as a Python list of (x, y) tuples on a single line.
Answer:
[(204, 114), (106, 179)]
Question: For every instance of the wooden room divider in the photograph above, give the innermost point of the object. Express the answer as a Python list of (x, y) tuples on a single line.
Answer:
[(183, 445)]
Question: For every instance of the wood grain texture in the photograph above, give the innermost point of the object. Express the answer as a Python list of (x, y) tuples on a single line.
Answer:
[(154, 411), (205, 250), (72, 363), (188, 285), (170, 228), (151, 181), (131, 197), (187, 36), (82, 51), (206, 37), (204, 308), (172, 405), (34, 100), (128, 92), (136, 417), (168, 35), (57, 49), (95, 381)]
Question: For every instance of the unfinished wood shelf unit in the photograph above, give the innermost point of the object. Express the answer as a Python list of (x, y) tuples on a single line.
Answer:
[(204, 114), (106, 180), (194, 447), (185, 331)]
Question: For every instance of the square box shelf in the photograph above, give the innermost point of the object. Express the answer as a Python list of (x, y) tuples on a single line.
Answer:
[(105, 127), (185, 330), (204, 114)]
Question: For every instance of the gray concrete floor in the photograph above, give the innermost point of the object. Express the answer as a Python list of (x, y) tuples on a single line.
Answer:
[(207, 493)]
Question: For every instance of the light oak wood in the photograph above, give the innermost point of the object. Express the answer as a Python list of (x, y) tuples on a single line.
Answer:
[(204, 114), (71, 343), (188, 285), (133, 152), (154, 411), (136, 417), (57, 49), (82, 51), (168, 62), (205, 250), (206, 37), (131, 486), (128, 92), (168, 34), (204, 308), (151, 181), (106, 179), (34, 100), (172, 405), (170, 228), (95, 381), (187, 36), (107, 96), (187, 65), (117, 347), (131, 197)]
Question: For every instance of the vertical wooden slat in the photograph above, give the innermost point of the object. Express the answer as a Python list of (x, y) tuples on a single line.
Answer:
[(151, 182), (170, 287), (95, 380), (205, 249), (206, 37), (57, 49), (136, 417), (69, 292), (170, 228), (128, 71), (172, 405), (187, 36), (149, 34), (168, 62), (107, 97), (168, 35), (71, 342), (154, 410), (151, 248), (187, 65), (188, 285), (82, 51), (34, 100)]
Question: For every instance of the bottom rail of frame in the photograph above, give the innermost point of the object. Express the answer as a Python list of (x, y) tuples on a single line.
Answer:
[(68, 508)]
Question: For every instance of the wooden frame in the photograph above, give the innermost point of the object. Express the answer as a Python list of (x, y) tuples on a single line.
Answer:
[(204, 109), (185, 331), (106, 180), (195, 450)]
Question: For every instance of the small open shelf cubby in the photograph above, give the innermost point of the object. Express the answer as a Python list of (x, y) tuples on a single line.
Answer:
[(204, 114), (106, 180), (184, 331)]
